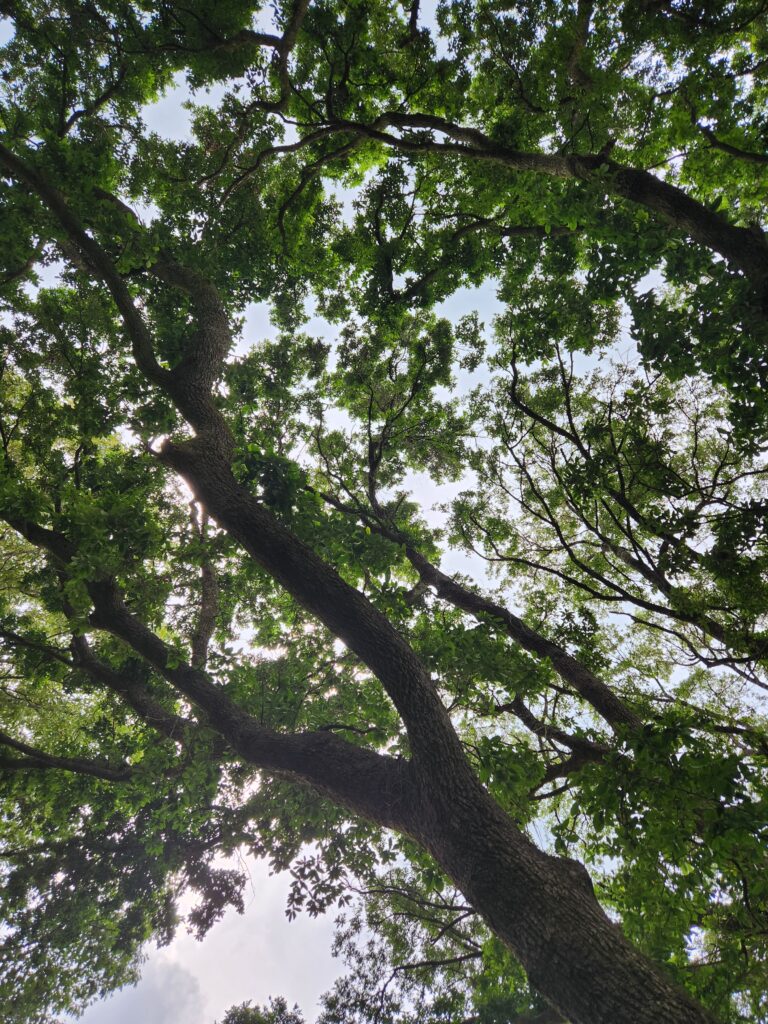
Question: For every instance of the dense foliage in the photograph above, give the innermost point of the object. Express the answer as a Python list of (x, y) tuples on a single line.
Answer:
[(503, 444)]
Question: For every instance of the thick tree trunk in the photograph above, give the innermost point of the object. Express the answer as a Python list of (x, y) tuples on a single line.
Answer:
[(542, 907)]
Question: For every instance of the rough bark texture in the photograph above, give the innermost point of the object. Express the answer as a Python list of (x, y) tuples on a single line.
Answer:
[(544, 909)]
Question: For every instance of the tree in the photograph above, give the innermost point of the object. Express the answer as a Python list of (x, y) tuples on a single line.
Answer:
[(225, 622), (276, 1013)]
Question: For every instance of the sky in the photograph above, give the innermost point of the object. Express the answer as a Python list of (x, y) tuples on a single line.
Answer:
[(244, 957)]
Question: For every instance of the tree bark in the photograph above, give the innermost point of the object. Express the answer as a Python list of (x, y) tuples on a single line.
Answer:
[(542, 907)]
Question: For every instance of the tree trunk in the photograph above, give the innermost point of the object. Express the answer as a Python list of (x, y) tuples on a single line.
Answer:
[(542, 907)]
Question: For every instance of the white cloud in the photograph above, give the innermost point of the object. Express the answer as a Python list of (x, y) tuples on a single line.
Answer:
[(244, 957), (168, 993)]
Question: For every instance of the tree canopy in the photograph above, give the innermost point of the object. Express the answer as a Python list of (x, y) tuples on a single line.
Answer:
[(460, 618)]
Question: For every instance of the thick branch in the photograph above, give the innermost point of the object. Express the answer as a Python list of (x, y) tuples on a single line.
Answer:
[(377, 787), (744, 248), (97, 260), (282, 45), (585, 748), (584, 682), (576, 73), (35, 758), (726, 147), (318, 587), (209, 598), (135, 694), (370, 784), (572, 671)]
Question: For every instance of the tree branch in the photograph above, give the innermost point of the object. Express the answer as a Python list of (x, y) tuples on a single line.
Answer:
[(371, 784), (725, 147), (378, 787), (585, 683), (209, 597), (39, 759), (743, 248), (96, 258)]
